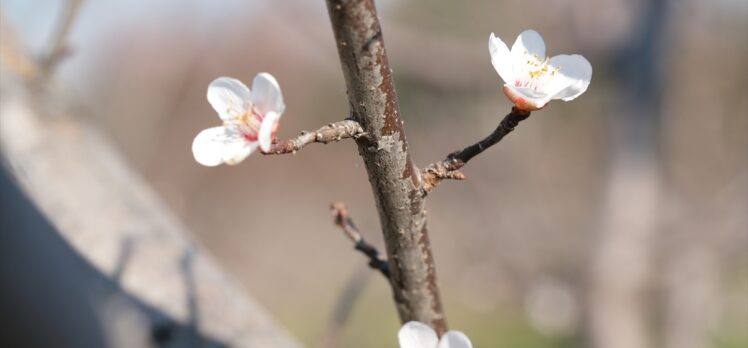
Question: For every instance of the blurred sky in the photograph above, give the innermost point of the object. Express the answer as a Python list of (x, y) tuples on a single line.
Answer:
[(35, 20)]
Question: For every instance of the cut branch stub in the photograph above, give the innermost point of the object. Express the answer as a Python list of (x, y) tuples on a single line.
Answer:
[(395, 180)]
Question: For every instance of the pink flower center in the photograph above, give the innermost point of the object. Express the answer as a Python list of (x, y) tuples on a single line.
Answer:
[(248, 123), (535, 73)]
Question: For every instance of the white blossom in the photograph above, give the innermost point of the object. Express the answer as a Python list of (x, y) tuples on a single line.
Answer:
[(419, 335), (532, 79), (250, 119)]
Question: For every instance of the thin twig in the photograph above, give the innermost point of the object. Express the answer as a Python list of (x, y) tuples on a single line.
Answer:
[(332, 132), (344, 221), (449, 168), (59, 47)]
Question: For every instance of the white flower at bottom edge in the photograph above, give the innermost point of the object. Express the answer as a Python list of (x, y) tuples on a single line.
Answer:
[(531, 79), (415, 334), (250, 119)]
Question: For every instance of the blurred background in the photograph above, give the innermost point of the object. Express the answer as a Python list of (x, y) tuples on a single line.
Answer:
[(616, 220)]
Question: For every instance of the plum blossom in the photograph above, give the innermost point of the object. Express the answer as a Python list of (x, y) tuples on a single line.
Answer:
[(415, 334), (532, 79), (250, 119)]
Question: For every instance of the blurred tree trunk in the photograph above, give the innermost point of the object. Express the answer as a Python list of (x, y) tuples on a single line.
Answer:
[(128, 265), (691, 290), (622, 260)]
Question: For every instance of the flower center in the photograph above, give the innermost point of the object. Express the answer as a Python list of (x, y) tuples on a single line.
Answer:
[(248, 123), (535, 73)]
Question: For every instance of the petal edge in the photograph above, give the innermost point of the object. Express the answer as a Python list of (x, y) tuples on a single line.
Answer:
[(414, 334), (206, 149), (267, 128), (228, 96), (574, 77), (531, 42), (501, 58), (266, 94), (455, 339)]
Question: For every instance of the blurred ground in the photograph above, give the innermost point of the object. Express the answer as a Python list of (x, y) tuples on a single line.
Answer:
[(517, 233)]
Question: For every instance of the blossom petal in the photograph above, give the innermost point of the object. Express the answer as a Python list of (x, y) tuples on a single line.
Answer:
[(217, 145), (572, 79), (229, 97), (527, 92), (455, 339), (267, 128), (266, 94), (526, 98), (208, 146), (237, 154), (501, 58), (417, 335), (237, 148), (530, 42)]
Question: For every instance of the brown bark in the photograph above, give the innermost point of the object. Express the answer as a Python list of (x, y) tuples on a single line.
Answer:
[(332, 132), (394, 178)]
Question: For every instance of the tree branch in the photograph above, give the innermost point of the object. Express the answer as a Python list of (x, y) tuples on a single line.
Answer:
[(449, 168), (395, 180), (345, 222), (332, 132)]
